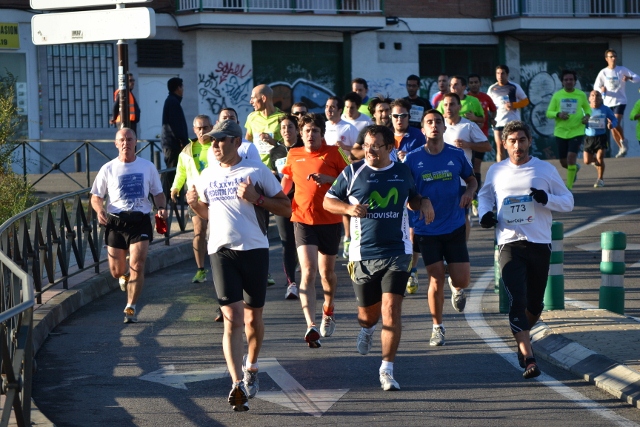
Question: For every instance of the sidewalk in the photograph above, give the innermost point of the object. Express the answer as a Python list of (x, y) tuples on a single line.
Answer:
[(600, 346)]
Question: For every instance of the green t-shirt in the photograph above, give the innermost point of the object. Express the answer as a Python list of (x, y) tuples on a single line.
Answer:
[(634, 111), (257, 124), (576, 104), (469, 103)]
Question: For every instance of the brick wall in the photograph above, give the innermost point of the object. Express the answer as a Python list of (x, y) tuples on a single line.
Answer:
[(438, 8)]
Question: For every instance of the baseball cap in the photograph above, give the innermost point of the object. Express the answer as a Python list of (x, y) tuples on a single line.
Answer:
[(224, 129)]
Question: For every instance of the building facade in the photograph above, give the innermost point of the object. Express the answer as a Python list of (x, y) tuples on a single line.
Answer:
[(308, 50)]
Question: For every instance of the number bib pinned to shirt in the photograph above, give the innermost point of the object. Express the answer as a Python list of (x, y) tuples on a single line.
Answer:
[(518, 210), (569, 106), (597, 122)]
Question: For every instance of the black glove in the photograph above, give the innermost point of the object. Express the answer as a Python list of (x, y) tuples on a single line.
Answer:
[(488, 220), (539, 196)]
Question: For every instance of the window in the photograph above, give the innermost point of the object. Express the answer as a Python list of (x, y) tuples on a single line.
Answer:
[(160, 53), (81, 83)]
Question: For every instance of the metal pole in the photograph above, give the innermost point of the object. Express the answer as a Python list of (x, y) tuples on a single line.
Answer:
[(123, 82)]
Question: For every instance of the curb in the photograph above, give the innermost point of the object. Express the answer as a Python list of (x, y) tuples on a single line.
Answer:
[(605, 373)]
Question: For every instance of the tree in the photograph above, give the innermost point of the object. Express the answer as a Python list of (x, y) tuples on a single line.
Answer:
[(15, 194)]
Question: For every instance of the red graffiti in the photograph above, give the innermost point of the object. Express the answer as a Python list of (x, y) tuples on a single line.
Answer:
[(227, 69)]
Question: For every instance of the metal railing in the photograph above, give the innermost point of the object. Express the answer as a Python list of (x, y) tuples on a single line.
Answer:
[(288, 6), (41, 248), (575, 8), (24, 151)]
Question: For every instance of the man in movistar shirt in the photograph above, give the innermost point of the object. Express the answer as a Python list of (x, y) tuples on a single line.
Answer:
[(437, 168), (570, 109), (375, 192)]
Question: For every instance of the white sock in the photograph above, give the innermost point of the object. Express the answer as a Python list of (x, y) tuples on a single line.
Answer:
[(370, 330), (252, 366), (131, 306), (386, 366), (435, 327)]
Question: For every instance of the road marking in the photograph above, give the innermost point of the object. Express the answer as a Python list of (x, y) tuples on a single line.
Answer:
[(475, 319), (293, 395), (599, 222)]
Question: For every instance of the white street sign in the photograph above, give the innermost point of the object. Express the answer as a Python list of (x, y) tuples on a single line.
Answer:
[(77, 4), (292, 395), (93, 26)]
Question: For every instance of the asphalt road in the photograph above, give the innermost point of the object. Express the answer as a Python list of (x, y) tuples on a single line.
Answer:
[(90, 369)]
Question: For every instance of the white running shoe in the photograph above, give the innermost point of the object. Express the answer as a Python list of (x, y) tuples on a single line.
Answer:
[(387, 382), (599, 183), (292, 292), (328, 326)]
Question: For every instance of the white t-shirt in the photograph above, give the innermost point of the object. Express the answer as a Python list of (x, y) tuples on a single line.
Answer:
[(466, 130), (613, 81), (128, 185), (507, 187), (341, 131), (235, 223), (360, 123), (500, 95)]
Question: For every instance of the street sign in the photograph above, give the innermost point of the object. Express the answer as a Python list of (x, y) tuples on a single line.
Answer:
[(77, 4), (93, 26)]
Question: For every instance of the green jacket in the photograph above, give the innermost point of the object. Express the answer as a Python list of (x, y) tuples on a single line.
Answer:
[(187, 170)]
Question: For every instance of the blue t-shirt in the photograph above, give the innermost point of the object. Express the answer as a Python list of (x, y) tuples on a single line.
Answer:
[(438, 177), (598, 121), (413, 139), (384, 232)]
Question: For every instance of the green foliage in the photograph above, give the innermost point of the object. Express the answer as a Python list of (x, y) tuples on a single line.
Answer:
[(15, 195)]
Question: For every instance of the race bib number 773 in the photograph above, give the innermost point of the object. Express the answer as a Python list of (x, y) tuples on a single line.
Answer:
[(518, 210)]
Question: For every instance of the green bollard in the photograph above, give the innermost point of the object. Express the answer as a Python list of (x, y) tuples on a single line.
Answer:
[(612, 267), (554, 292)]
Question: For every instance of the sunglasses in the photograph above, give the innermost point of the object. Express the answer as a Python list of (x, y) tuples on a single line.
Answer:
[(400, 116), (299, 113)]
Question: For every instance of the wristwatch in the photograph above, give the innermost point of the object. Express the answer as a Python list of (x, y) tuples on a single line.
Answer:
[(260, 201)]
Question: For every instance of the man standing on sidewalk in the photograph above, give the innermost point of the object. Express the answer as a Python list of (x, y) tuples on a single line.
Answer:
[(380, 257), (611, 82), (570, 109), (238, 194), (524, 190), (174, 134), (127, 180)]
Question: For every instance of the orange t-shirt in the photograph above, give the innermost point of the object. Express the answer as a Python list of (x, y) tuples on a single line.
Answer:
[(308, 197), (398, 139)]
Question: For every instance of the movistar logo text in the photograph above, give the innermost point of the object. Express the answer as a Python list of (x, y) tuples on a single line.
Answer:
[(377, 201)]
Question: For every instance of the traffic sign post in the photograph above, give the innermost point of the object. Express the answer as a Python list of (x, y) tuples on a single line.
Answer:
[(98, 25)]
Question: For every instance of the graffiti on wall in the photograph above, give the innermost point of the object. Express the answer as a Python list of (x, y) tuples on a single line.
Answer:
[(228, 85), (313, 94)]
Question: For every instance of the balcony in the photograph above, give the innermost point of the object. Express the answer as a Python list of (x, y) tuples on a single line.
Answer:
[(305, 15), (613, 16), (284, 6)]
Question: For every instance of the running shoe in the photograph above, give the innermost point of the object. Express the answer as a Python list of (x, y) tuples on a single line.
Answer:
[(124, 281), (412, 283), (312, 337), (364, 342), (238, 397), (437, 337), (622, 152), (250, 379), (130, 315), (345, 249), (532, 370), (219, 317), (292, 292), (387, 382), (200, 277), (270, 280), (599, 183), (458, 297), (328, 326), (474, 207)]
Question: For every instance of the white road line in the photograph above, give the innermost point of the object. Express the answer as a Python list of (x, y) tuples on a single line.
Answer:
[(475, 319), (599, 222)]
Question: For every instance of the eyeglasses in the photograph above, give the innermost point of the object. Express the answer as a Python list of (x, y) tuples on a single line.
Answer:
[(400, 116), (298, 113), (612, 56), (372, 147)]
